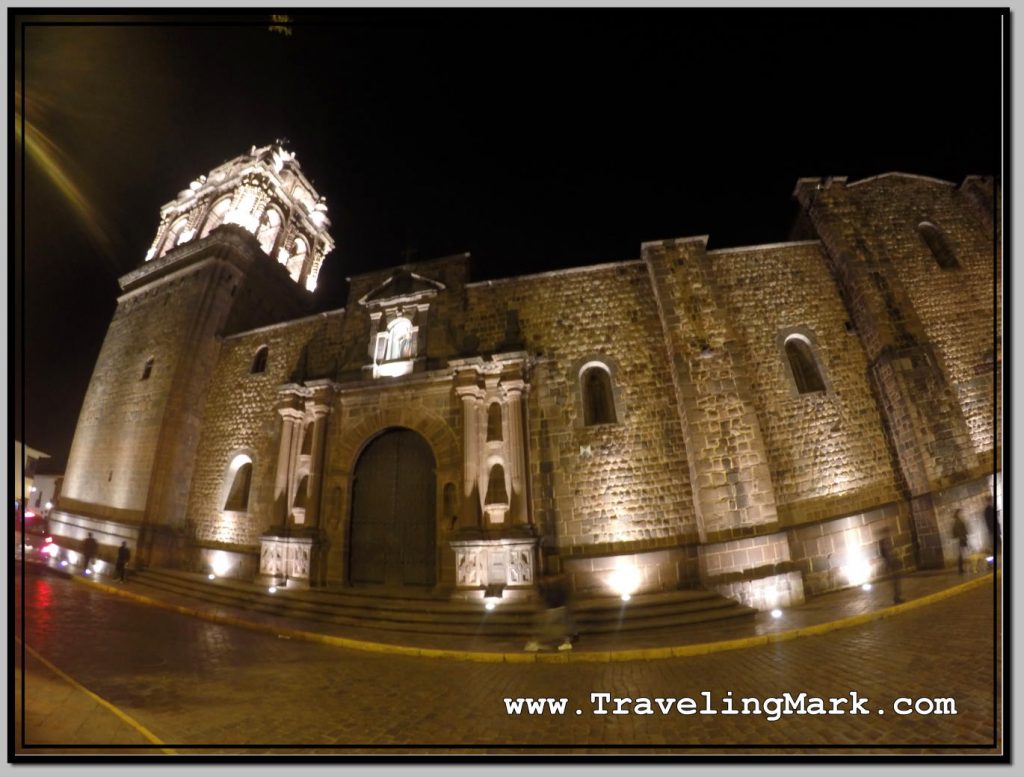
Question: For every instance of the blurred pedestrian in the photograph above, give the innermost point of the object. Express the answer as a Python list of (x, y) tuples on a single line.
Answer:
[(89, 551), (123, 554), (960, 533), (990, 523), (555, 624), (887, 550)]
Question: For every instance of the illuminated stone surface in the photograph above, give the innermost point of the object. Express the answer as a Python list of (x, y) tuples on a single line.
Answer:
[(706, 465)]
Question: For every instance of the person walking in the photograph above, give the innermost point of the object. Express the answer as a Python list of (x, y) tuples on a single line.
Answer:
[(960, 533), (554, 624), (89, 551), (887, 550), (123, 554)]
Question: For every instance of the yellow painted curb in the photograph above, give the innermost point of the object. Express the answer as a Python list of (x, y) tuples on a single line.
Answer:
[(100, 700), (635, 654)]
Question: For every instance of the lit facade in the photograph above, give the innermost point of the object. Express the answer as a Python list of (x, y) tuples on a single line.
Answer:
[(748, 420)]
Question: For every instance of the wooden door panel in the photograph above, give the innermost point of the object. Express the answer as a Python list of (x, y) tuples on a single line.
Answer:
[(393, 534)]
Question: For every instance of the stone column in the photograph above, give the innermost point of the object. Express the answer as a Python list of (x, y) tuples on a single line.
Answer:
[(741, 545), (471, 496), (291, 429), (515, 448), (316, 460)]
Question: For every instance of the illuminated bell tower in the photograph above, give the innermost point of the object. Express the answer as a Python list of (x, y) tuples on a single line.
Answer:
[(265, 193), (240, 247)]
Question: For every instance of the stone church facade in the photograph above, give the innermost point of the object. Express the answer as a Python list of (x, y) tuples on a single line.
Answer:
[(749, 420)]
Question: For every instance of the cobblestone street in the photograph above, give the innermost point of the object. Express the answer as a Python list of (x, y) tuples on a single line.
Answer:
[(196, 684)]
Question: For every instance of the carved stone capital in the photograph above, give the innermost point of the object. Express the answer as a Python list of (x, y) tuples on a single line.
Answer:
[(473, 392), (291, 414)]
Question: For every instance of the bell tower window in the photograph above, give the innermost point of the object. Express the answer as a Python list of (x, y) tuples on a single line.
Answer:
[(270, 226), (217, 214)]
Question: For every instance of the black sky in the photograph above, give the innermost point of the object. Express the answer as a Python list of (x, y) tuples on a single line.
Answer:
[(533, 139)]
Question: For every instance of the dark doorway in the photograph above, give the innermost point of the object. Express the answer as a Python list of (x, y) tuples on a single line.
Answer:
[(393, 512)]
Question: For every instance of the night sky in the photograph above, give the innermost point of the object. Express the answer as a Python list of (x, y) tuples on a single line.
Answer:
[(533, 139)]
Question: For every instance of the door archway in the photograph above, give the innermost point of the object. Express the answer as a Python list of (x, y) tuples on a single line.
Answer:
[(393, 525)]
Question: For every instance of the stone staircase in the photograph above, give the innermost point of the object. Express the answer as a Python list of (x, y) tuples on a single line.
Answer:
[(422, 614)]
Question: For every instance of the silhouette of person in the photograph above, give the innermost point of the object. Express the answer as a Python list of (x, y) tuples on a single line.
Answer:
[(887, 550), (554, 623), (89, 551), (960, 533), (990, 523), (123, 554)]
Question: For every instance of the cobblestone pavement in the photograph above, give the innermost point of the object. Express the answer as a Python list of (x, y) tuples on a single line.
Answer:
[(193, 683)]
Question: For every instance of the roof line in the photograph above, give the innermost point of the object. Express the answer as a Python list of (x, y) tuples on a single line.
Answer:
[(551, 273), (283, 324)]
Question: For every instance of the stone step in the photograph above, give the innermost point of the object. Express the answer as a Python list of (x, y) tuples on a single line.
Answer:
[(391, 612)]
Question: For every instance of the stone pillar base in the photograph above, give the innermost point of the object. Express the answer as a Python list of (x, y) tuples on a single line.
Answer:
[(756, 571), (291, 560), (485, 559), (926, 530), (765, 593)]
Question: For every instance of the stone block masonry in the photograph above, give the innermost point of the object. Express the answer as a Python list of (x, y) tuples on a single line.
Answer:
[(750, 420)]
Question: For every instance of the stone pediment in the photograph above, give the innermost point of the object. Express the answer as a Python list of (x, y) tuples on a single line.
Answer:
[(402, 286)]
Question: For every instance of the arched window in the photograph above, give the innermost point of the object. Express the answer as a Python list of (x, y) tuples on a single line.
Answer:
[(938, 244), (240, 477), (147, 369), (177, 233), (494, 422), (803, 365), (297, 259), (259, 361), (598, 400), (496, 493), (270, 225), (216, 215)]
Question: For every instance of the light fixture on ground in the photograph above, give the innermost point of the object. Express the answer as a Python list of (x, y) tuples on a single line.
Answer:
[(625, 579), (220, 565), (866, 587), (776, 613), (492, 596)]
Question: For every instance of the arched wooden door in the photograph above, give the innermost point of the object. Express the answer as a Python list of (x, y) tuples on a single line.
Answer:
[(393, 526)]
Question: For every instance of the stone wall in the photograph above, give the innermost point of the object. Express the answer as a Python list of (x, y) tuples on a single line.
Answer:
[(111, 462), (715, 468), (954, 307), (240, 417), (621, 487), (827, 451), (928, 331)]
